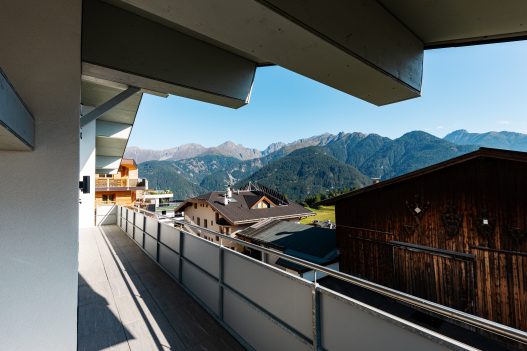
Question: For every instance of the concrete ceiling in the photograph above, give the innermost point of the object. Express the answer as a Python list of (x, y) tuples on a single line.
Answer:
[(452, 23), (113, 128), (357, 46), (370, 49)]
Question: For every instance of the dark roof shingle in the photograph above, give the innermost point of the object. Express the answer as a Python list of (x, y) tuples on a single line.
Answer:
[(239, 211)]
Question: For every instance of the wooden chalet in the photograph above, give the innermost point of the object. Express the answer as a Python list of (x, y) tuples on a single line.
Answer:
[(119, 188), (454, 233)]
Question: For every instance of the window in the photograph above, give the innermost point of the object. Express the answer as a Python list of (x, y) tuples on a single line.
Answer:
[(104, 198), (205, 223), (199, 221), (195, 205), (263, 204), (217, 217), (111, 197), (211, 223)]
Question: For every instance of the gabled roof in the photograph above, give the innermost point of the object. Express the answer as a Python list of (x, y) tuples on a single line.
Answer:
[(128, 163), (239, 211), (482, 152), (314, 244)]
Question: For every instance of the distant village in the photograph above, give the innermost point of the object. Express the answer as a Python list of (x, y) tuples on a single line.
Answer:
[(461, 243)]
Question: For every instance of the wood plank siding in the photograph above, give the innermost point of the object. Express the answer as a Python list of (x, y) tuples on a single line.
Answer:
[(456, 235)]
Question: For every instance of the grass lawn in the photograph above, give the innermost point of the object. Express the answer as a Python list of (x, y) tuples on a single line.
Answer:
[(323, 213)]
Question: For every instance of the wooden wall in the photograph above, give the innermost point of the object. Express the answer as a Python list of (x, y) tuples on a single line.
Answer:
[(457, 236), (123, 198)]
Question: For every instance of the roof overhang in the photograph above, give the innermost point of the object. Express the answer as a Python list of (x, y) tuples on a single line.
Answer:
[(370, 49), (357, 46), (449, 23), (113, 128), (123, 47)]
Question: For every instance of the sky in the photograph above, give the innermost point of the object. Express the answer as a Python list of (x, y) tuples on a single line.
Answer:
[(477, 88)]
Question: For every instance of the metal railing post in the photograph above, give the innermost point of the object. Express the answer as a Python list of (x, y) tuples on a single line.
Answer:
[(133, 225), (220, 280), (315, 303), (158, 239), (181, 241)]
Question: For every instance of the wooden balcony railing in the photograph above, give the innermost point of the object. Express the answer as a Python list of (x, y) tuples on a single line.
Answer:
[(118, 183)]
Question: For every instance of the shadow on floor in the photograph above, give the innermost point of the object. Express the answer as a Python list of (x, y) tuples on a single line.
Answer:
[(154, 311), (98, 327)]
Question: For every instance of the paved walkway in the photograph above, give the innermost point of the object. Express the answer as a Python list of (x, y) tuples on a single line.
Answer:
[(126, 302)]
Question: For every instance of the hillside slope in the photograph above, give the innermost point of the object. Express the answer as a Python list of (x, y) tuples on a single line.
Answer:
[(307, 171), (164, 175)]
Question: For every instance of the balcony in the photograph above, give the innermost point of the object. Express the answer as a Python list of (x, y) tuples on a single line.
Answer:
[(115, 184), (157, 287), (128, 302)]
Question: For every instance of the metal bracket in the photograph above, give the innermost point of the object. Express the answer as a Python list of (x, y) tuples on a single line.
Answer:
[(108, 105)]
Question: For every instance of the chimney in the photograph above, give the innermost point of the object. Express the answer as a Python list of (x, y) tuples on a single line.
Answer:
[(229, 192), (376, 180), (225, 200)]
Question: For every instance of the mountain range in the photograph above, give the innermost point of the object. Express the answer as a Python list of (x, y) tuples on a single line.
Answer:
[(186, 151), (308, 166), (498, 140)]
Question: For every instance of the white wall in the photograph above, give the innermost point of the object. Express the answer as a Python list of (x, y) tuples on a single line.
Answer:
[(87, 167), (203, 213), (40, 53)]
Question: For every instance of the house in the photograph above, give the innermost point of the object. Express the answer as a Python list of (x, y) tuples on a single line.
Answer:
[(313, 244), (454, 233), (228, 212), (119, 188)]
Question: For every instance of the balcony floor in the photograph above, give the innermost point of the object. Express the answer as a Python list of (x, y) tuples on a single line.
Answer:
[(126, 302)]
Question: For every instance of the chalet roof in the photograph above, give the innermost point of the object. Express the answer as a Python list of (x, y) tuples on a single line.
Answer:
[(482, 152), (314, 244), (239, 211), (128, 163)]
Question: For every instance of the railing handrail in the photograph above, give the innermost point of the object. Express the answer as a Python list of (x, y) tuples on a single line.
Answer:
[(493, 327)]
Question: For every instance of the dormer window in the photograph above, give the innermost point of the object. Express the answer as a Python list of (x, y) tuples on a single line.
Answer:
[(263, 204)]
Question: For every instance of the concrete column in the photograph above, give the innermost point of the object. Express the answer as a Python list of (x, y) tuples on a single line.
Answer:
[(40, 52), (87, 168)]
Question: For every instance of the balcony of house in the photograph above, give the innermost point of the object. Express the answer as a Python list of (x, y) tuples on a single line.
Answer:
[(119, 184), (144, 284)]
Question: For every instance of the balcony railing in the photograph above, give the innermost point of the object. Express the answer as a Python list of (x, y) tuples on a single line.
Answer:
[(118, 183), (267, 308)]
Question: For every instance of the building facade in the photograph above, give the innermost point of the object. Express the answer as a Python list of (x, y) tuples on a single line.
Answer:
[(453, 233), (119, 188)]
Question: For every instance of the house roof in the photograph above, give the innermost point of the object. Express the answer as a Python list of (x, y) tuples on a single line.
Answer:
[(482, 152), (128, 163), (239, 211), (313, 244)]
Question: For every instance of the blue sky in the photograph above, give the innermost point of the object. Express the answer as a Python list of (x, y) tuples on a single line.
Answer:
[(478, 88)]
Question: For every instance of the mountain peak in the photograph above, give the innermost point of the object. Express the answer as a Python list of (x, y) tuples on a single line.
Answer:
[(499, 140)]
